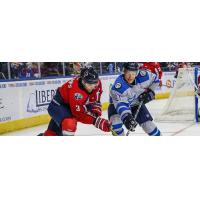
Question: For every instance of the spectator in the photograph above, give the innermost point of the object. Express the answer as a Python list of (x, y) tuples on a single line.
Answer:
[(27, 71), (107, 67), (35, 69), (110, 68), (77, 67), (163, 66), (171, 66), (96, 66), (119, 66), (50, 69), (104, 67), (68, 68), (4, 70), (2, 76), (16, 69), (31, 70)]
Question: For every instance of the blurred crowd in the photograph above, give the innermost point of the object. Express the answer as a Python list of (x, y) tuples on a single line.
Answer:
[(32, 70)]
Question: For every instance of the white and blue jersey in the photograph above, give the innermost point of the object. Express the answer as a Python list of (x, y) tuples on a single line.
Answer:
[(124, 95), (124, 99)]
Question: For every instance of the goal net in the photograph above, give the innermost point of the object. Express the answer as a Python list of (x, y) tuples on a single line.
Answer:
[(182, 104)]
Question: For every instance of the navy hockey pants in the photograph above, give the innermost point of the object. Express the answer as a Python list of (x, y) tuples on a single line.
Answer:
[(58, 112)]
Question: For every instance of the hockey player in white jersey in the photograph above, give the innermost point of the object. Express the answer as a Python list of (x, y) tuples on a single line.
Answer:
[(131, 89)]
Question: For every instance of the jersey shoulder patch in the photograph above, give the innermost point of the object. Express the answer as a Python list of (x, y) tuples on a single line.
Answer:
[(143, 73), (78, 96), (118, 85)]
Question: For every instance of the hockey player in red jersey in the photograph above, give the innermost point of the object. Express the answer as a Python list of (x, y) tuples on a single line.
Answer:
[(155, 68), (78, 100)]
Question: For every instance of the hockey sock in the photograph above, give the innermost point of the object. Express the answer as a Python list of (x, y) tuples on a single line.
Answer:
[(155, 132)]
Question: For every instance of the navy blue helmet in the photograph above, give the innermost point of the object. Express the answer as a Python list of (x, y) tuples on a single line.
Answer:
[(89, 75), (131, 66)]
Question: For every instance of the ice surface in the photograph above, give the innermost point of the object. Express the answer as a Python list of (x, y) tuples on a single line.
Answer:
[(155, 107)]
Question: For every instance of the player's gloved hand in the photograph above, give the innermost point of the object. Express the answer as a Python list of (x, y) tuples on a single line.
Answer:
[(129, 122), (95, 108), (102, 124), (147, 96)]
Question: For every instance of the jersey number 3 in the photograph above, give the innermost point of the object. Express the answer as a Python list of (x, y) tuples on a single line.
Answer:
[(78, 108)]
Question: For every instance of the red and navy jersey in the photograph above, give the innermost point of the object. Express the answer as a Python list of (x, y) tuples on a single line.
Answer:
[(78, 98), (154, 67), (199, 80)]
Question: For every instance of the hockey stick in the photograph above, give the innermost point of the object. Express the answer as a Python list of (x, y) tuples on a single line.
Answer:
[(113, 132), (136, 114), (167, 86)]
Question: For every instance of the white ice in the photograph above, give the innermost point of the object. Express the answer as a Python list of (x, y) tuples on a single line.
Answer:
[(167, 129)]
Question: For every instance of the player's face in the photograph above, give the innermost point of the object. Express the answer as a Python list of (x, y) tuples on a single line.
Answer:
[(129, 76), (90, 87)]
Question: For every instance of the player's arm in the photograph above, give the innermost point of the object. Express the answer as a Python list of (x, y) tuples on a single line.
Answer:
[(154, 81), (95, 105), (159, 70), (99, 92), (159, 74), (82, 114), (149, 94)]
